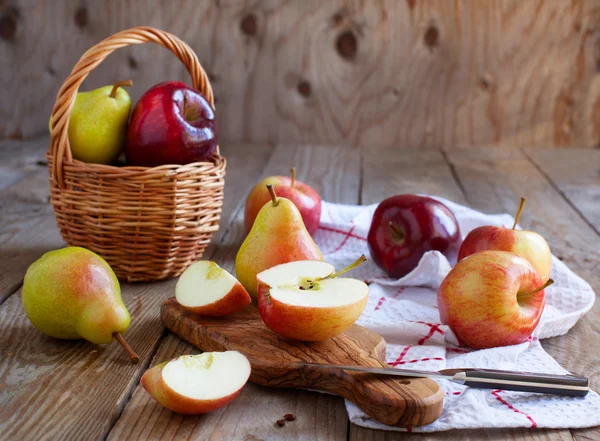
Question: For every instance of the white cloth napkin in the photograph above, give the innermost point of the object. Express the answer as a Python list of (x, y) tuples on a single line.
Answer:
[(405, 313)]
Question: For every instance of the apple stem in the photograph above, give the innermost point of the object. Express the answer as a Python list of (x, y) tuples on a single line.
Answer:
[(273, 195), (113, 92), (544, 286), (358, 262), (396, 230), (131, 352), (519, 212), (293, 173)]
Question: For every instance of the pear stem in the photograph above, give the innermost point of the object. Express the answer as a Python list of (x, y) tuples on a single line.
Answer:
[(131, 352), (358, 262), (293, 173), (519, 212), (273, 195), (544, 286), (127, 83)]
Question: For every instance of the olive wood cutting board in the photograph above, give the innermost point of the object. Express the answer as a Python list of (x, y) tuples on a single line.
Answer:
[(403, 402)]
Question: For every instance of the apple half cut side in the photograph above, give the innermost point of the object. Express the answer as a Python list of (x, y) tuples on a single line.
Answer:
[(207, 289), (298, 301), (197, 384)]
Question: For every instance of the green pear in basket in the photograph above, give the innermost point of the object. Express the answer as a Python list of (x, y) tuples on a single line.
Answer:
[(98, 123)]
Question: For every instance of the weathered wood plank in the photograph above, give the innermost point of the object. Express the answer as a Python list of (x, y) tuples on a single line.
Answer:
[(387, 173), (334, 172), (52, 389), (576, 174), (397, 73)]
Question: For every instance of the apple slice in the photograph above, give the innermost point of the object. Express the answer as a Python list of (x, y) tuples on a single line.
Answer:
[(306, 301), (207, 289), (197, 384)]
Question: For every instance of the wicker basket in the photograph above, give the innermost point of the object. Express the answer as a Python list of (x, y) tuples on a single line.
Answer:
[(148, 223)]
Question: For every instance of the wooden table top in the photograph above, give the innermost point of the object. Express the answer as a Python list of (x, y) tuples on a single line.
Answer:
[(73, 390)]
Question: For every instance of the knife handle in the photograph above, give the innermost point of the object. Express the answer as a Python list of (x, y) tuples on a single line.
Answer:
[(566, 385)]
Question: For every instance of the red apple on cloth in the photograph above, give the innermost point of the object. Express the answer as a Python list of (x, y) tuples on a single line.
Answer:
[(171, 124), (527, 244), (197, 384), (492, 298), (304, 197), (405, 227), (307, 301), (207, 289)]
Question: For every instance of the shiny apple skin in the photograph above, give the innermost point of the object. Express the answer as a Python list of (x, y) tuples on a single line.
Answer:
[(427, 225), (478, 299), (527, 244), (159, 133), (303, 196)]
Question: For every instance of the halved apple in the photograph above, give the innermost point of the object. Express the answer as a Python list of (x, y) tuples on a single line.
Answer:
[(197, 384), (305, 301), (207, 289)]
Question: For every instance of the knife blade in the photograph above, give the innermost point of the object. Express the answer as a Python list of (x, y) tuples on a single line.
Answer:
[(565, 385)]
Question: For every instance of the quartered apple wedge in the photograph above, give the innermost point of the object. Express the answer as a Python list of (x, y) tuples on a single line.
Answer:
[(306, 301), (197, 384), (207, 289)]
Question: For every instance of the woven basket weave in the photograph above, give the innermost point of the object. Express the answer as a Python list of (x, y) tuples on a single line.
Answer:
[(148, 223)]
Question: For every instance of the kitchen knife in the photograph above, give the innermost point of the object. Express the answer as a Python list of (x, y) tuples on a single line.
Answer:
[(566, 385)]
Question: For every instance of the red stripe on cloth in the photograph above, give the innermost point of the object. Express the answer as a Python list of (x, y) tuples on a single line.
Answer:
[(381, 300), (496, 393), (431, 332), (434, 326), (348, 233), (457, 350), (401, 356), (396, 363)]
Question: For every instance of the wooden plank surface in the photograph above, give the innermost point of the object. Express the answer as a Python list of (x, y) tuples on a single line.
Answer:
[(51, 389), (334, 173), (395, 73), (576, 174)]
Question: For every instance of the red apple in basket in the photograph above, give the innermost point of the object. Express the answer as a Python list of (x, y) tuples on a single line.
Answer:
[(527, 244), (171, 124), (492, 298), (405, 227), (304, 197)]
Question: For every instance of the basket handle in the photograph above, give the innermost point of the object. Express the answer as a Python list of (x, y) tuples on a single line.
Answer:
[(59, 140)]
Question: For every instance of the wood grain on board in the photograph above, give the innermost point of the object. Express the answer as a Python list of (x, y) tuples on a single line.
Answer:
[(394, 73), (335, 173)]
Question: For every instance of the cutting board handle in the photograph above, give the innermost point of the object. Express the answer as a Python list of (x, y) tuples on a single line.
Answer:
[(403, 402)]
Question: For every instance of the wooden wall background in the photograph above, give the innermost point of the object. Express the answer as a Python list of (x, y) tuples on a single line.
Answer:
[(392, 72)]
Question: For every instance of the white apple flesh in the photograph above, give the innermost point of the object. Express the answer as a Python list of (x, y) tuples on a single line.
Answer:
[(197, 384), (207, 289), (298, 301)]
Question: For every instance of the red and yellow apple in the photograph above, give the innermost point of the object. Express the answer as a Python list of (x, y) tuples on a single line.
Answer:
[(492, 298), (197, 384), (306, 301), (527, 244), (207, 289), (304, 197)]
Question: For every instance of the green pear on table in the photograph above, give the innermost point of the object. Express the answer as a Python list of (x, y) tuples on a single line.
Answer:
[(72, 293), (98, 123), (278, 235)]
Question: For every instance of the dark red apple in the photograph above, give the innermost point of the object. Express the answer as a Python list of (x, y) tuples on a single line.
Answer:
[(405, 227), (171, 124)]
